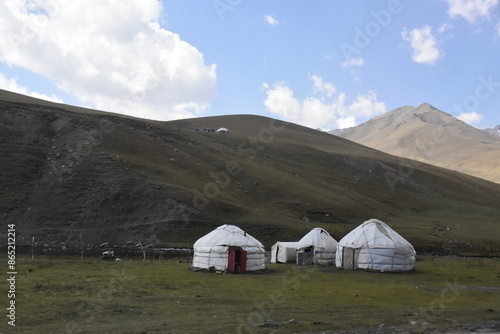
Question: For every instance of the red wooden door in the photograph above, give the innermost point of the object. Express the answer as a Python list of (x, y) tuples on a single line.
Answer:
[(243, 261), (231, 261)]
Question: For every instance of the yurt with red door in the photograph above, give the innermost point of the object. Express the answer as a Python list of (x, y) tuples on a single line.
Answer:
[(229, 248)]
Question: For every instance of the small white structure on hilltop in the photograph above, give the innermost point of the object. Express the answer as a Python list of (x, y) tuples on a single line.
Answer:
[(223, 130), (316, 247), (375, 246), (283, 252), (228, 248)]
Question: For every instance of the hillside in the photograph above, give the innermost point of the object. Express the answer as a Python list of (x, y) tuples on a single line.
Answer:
[(494, 131), (429, 135), (73, 176)]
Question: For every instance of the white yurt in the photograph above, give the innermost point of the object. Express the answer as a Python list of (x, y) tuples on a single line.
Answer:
[(375, 246), (228, 247), (223, 130), (283, 252), (316, 247)]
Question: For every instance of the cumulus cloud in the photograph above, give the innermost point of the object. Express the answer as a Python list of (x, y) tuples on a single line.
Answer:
[(470, 117), (280, 101), (346, 122), (322, 87), (471, 10), (423, 44), (12, 86), (353, 62), (111, 54), (366, 105), (323, 111), (271, 20), (309, 112)]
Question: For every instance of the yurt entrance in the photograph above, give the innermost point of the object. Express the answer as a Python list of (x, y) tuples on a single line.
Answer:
[(306, 257), (237, 260), (350, 258)]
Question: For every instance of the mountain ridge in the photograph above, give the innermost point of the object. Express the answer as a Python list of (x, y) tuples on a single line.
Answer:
[(83, 177), (494, 131), (426, 134)]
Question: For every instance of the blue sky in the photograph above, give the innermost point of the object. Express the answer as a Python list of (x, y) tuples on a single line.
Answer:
[(325, 64)]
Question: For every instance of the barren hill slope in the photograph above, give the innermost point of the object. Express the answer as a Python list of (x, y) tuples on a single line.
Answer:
[(74, 176), (494, 131), (429, 135)]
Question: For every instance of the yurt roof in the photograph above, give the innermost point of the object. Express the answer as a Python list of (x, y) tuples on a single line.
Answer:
[(374, 233), (228, 235), (317, 237)]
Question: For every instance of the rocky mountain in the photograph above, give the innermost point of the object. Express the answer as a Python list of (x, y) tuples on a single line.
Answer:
[(429, 135), (494, 131), (74, 176)]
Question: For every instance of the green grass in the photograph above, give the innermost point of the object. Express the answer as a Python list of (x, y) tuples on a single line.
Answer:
[(73, 295)]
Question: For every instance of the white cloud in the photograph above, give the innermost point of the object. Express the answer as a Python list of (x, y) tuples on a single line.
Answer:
[(443, 27), (12, 86), (471, 10), (330, 111), (111, 54), (497, 29), (271, 20), (353, 62), (470, 117), (322, 87), (366, 105), (310, 112), (424, 45), (280, 101), (346, 122)]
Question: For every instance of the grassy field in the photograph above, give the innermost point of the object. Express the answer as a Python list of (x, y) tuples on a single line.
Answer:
[(73, 295)]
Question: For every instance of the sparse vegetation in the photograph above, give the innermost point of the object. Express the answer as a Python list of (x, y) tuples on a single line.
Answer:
[(81, 177), (77, 178), (73, 295)]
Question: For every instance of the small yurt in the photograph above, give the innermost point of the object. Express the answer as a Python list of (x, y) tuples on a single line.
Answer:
[(223, 130), (316, 247), (228, 248), (375, 246), (283, 252)]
